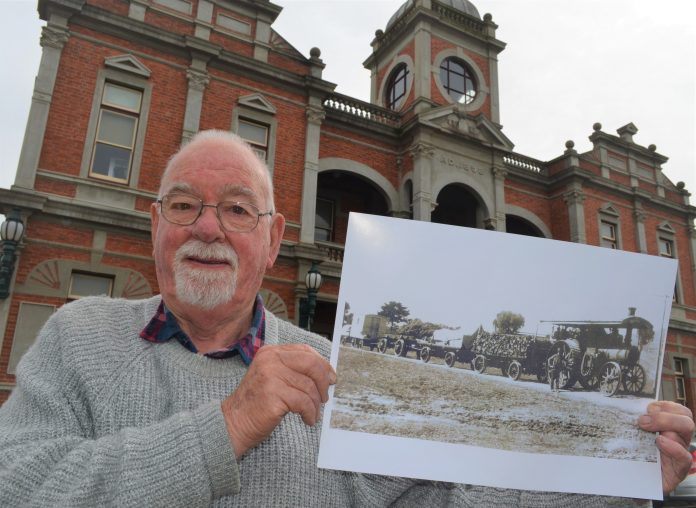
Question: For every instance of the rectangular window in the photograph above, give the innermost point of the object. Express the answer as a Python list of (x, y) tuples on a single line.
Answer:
[(680, 380), (256, 134), (115, 140), (608, 232), (88, 284), (323, 223), (666, 248)]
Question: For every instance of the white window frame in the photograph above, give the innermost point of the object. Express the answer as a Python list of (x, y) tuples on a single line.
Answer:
[(610, 216), (128, 72), (665, 236), (257, 109), (332, 221), (680, 381), (72, 296)]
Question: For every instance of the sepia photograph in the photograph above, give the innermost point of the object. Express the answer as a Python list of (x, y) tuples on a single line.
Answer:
[(461, 353)]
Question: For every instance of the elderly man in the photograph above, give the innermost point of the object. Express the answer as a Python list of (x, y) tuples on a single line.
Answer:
[(201, 397)]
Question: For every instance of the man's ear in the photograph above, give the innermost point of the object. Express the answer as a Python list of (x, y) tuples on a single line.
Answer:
[(154, 218), (277, 230)]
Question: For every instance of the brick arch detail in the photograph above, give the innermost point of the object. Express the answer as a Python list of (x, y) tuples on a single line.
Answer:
[(482, 193), (531, 217), (373, 176)]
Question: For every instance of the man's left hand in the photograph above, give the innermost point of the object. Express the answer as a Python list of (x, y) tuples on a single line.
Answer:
[(675, 424)]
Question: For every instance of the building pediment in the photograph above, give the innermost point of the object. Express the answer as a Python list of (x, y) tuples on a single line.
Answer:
[(452, 120), (128, 63)]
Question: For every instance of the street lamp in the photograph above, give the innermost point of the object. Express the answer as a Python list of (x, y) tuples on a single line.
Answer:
[(309, 305), (11, 232)]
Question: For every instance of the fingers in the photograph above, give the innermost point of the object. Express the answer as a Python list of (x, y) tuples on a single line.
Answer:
[(672, 420), (675, 461), (291, 378)]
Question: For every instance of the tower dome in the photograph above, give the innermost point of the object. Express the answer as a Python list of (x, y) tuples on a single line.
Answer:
[(459, 5)]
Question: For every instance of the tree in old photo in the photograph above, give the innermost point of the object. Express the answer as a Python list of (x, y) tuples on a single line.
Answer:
[(508, 322)]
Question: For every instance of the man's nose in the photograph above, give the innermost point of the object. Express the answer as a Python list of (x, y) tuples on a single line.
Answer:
[(207, 228)]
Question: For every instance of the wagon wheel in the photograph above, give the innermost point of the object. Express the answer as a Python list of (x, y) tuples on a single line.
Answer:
[(400, 348), (514, 370), (588, 372), (425, 354), (480, 364), (382, 345), (609, 378), (633, 378), (449, 358), (569, 361), (543, 372)]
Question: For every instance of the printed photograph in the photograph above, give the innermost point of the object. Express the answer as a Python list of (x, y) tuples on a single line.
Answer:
[(534, 349)]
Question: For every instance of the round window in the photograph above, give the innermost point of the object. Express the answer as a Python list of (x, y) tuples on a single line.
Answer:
[(397, 87), (458, 80)]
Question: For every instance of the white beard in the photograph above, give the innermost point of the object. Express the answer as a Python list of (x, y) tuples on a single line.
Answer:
[(205, 289)]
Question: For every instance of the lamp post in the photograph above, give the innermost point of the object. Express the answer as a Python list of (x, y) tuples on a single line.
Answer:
[(308, 306), (11, 232)]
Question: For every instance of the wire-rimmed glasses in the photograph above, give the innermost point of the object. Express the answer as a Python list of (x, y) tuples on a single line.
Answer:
[(234, 216)]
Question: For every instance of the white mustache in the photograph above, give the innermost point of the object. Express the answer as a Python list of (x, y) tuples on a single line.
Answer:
[(207, 251)]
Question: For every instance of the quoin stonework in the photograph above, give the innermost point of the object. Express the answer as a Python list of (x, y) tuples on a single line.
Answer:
[(123, 83)]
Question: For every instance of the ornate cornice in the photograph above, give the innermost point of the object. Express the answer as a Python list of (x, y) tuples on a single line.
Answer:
[(574, 197), (315, 115), (54, 37), (197, 80), (422, 150)]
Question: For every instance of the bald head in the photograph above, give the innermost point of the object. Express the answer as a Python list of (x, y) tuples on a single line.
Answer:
[(238, 151)]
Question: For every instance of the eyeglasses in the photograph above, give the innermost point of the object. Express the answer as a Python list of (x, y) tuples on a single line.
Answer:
[(184, 210)]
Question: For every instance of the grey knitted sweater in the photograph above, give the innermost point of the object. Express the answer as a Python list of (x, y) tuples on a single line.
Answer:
[(101, 417)]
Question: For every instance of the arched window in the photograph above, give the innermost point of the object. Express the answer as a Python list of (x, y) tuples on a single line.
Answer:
[(397, 87), (458, 80)]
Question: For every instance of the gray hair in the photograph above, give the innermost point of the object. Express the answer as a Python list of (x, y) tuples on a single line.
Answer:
[(236, 142)]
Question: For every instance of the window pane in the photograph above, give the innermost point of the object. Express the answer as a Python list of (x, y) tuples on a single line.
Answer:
[(253, 132), (121, 97), (681, 392), (322, 235), (116, 129), (111, 161), (83, 284), (324, 217)]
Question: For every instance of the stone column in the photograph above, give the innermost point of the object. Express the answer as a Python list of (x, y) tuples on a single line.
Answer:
[(137, 9), (422, 73), (576, 214), (204, 19), (198, 79), (53, 38), (315, 116), (498, 214), (423, 204), (262, 40), (692, 245), (639, 222)]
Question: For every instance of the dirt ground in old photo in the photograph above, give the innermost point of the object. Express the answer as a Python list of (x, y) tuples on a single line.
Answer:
[(388, 395)]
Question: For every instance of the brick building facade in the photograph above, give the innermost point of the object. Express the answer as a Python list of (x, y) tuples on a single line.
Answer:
[(122, 83)]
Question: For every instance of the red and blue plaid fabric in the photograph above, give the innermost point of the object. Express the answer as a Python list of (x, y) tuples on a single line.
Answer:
[(163, 327)]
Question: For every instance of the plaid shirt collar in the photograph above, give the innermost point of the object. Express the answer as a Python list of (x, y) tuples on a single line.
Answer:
[(163, 326)]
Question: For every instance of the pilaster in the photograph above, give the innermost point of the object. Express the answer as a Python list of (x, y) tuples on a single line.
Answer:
[(639, 221), (574, 199), (423, 204), (499, 175), (53, 38), (692, 246), (198, 79), (315, 116)]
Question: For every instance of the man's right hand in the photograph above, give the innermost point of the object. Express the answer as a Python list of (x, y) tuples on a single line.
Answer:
[(292, 378)]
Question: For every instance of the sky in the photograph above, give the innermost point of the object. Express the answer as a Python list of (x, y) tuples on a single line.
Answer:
[(567, 65)]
